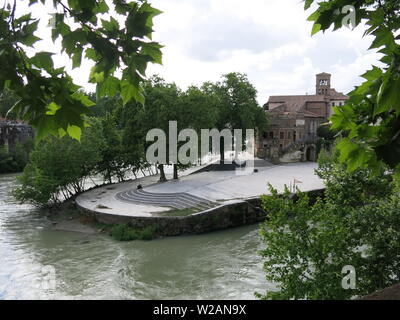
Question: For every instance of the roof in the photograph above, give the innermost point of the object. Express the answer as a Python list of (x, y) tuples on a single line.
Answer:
[(295, 103), (323, 74), (334, 95), (283, 111)]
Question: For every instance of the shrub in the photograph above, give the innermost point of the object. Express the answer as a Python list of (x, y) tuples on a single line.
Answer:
[(58, 169), (308, 243), (16, 159)]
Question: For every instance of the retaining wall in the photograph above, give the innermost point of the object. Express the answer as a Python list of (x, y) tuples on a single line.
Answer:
[(223, 217)]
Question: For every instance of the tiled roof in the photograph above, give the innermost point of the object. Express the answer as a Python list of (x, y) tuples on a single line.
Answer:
[(334, 95), (296, 103)]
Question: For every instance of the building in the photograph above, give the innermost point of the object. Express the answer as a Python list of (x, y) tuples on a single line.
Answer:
[(294, 120), (12, 132)]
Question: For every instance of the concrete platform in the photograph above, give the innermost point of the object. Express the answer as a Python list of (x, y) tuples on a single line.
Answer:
[(221, 187)]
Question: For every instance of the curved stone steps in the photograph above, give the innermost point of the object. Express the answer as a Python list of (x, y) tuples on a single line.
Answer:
[(178, 201)]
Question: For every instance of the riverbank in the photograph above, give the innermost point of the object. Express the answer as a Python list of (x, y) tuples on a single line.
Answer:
[(196, 203), (222, 199)]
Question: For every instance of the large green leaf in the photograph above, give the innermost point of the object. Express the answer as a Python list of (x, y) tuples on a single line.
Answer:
[(43, 60)]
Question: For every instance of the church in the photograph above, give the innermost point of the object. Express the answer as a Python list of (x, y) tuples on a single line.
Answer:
[(294, 120)]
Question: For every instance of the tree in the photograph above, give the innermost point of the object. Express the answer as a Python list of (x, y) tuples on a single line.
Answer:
[(369, 121), (58, 168), (48, 98), (198, 110), (162, 99), (112, 162), (15, 160), (130, 120), (309, 241), (236, 101), (7, 100)]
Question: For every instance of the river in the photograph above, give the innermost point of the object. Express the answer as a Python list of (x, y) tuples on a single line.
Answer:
[(37, 262)]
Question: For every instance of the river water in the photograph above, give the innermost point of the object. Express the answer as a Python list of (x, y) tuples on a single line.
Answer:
[(37, 262)]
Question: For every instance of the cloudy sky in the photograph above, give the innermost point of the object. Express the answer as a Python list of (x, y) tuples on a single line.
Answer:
[(269, 40)]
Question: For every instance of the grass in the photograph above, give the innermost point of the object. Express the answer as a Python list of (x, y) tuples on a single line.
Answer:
[(100, 206), (125, 232), (178, 213)]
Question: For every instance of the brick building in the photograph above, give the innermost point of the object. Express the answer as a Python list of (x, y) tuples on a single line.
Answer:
[(294, 121)]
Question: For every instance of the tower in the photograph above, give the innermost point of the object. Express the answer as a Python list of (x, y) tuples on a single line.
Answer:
[(323, 84)]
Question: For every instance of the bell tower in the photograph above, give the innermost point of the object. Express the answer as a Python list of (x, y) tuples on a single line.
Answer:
[(323, 84)]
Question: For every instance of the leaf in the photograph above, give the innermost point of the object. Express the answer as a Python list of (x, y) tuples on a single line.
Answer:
[(74, 132), (91, 54), (347, 149), (383, 37), (111, 25), (96, 77), (372, 74), (307, 4), (30, 40), (316, 28), (77, 57), (84, 99), (152, 49), (31, 27), (52, 109), (102, 7), (109, 87), (42, 60), (388, 96), (129, 91)]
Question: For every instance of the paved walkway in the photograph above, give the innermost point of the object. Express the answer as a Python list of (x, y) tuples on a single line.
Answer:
[(222, 187)]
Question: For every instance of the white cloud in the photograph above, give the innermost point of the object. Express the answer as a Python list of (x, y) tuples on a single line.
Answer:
[(268, 40)]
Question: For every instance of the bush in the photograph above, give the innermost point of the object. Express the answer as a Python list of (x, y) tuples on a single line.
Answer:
[(125, 232), (58, 169), (308, 243), (17, 158)]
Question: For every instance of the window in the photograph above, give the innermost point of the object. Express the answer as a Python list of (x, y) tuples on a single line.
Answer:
[(289, 135), (271, 134), (333, 104), (282, 135)]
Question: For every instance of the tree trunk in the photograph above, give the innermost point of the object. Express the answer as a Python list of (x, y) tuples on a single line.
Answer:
[(176, 172), (162, 173), (222, 151)]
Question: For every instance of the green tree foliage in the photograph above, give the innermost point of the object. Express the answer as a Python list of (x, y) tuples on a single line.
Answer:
[(235, 100), (7, 100), (48, 98), (370, 120), (165, 102), (60, 168), (15, 160), (112, 160), (309, 242), (116, 138)]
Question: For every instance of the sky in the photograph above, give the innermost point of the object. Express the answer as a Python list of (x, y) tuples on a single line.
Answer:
[(269, 40)]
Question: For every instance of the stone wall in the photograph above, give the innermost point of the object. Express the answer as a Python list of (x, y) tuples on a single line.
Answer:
[(233, 215)]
